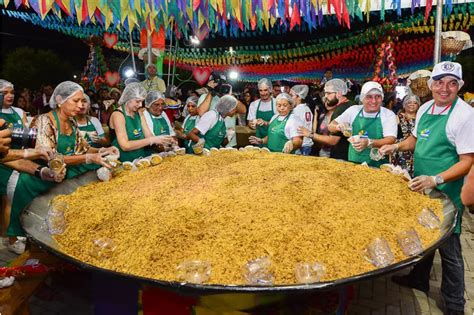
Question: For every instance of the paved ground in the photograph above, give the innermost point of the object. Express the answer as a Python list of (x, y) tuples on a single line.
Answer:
[(379, 296)]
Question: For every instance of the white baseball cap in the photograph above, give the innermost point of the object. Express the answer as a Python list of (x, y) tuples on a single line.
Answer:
[(446, 68), (371, 87)]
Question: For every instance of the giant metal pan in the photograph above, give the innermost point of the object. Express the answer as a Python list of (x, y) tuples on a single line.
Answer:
[(33, 221)]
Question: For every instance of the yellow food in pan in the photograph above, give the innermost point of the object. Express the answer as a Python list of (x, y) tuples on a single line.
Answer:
[(232, 207)]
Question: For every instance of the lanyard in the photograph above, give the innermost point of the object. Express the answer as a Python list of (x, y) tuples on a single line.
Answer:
[(445, 108)]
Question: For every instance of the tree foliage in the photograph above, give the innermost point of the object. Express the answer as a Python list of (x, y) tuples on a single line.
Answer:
[(31, 68)]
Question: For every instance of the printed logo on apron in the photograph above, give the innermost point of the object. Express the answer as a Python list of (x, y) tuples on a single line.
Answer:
[(425, 134), (10, 125), (363, 133), (137, 132)]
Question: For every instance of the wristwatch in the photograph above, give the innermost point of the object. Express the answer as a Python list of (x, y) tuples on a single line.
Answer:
[(438, 180)]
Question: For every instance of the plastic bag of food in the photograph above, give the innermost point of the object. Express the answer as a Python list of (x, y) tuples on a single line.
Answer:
[(104, 174), (378, 253), (180, 151), (55, 220), (155, 159), (257, 271), (429, 219), (194, 271), (309, 272), (376, 155), (409, 242), (103, 247)]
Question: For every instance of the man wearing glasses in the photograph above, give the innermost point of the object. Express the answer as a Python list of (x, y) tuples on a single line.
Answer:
[(444, 154), (367, 126)]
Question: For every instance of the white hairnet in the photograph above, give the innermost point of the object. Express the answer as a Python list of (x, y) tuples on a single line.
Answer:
[(87, 98), (226, 104), (411, 97), (5, 84), (371, 87), (63, 92), (265, 83), (300, 90), (132, 91), (285, 96), (152, 97), (335, 86), (192, 99)]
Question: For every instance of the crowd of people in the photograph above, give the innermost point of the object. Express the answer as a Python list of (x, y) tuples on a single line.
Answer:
[(80, 128)]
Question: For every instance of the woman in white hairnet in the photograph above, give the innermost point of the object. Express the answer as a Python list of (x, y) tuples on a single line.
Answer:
[(262, 110), (126, 130), (303, 113), (57, 130), (210, 131), (372, 125), (189, 123), (154, 121), (90, 127), (283, 133)]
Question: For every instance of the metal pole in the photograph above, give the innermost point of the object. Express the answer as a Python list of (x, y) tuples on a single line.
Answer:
[(169, 58), (131, 53), (174, 62), (148, 49), (438, 30)]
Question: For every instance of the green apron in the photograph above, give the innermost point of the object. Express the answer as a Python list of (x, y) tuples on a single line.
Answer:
[(370, 128), (134, 132), (189, 124), (434, 154), (216, 134), (160, 126), (13, 120), (89, 127), (28, 186), (262, 131), (276, 134)]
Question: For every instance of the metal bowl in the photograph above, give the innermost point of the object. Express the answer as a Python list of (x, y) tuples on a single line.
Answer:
[(34, 217)]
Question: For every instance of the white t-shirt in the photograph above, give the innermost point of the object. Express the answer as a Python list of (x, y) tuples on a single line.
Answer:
[(207, 121), (149, 122), (17, 110), (264, 107), (291, 127), (460, 125), (96, 123), (387, 117), (303, 113)]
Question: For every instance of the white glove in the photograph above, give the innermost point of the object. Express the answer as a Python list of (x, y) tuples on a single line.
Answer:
[(111, 151), (199, 146), (255, 140), (345, 128), (253, 123), (288, 147), (93, 136), (359, 144), (389, 148), (230, 133), (49, 175), (261, 122), (97, 158), (420, 183), (165, 141)]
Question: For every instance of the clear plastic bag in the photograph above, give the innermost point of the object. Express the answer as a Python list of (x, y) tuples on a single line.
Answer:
[(309, 272), (56, 221), (379, 253), (429, 219), (155, 159), (104, 174), (257, 271), (409, 242), (103, 247), (194, 271), (346, 130)]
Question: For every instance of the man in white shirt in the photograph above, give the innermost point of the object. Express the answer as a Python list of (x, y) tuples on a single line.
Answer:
[(443, 146), (262, 110), (304, 114), (372, 125)]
